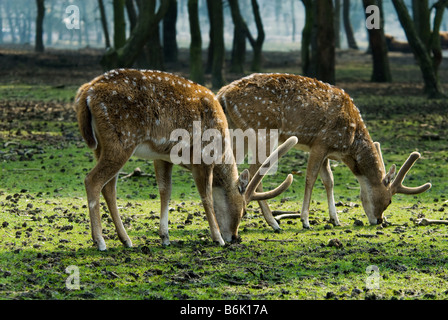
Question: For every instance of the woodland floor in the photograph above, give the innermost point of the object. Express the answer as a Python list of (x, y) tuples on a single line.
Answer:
[(44, 226)]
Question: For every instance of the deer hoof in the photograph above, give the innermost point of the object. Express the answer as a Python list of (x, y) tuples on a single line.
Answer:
[(127, 243), (101, 245), (335, 222), (306, 225)]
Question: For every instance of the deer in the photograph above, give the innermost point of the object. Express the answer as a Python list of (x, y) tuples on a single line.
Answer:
[(328, 125), (131, 112)]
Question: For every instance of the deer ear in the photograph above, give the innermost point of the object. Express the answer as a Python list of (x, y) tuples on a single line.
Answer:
[(390, 175), (243, 181)]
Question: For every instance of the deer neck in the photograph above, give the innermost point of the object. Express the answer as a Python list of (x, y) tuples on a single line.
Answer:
[(225, 174), (365, 162)]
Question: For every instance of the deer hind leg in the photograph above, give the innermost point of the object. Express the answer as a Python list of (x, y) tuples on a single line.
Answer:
[(163, 171), (105, 170), (267, 213), (203, 177), (315, 160), (110, 195), (328, 181)]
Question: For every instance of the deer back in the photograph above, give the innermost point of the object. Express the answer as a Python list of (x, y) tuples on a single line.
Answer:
[(127, 107), (296, 106)]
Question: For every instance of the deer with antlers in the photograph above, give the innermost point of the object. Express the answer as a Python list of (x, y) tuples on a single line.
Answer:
[(328, 125), (128, 112)]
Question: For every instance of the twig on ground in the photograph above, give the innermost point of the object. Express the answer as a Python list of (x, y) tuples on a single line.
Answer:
[(425, 222), (136, 173), (287, 216), (279, 240)]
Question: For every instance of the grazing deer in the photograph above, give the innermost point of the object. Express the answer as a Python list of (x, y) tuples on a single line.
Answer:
[(129, 112), (328, 126)]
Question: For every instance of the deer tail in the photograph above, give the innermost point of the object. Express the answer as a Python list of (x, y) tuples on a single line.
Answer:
[(85, 118)]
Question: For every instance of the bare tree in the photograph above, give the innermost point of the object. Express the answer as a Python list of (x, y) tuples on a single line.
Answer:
[(378, 46), (306, 37), (104, 23), (119, 24), (170, 49), (196, 69), (348, 26), (39, 46), (146, 24), (257, 43), (337, 23), (322, 44), (422, 53), (216, 17), (239, 38)]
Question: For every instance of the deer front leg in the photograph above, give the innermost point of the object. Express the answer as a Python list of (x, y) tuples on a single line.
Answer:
[(315, 160), (328, 181), (203, 177), (163, 172), (267, 213), (110, 195)]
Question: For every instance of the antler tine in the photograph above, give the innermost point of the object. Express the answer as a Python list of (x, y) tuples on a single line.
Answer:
[(397, 185), (267, 165), (378, 149), (273, 193)]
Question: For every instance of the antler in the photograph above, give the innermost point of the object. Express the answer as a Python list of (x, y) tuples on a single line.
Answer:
[(380, 154), (397, 186), (251, 194)]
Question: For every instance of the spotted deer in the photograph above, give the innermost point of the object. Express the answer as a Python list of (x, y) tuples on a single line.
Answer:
[(328, 125), (128, 112)]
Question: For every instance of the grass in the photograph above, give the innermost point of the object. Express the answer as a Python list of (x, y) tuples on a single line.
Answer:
[(44, 224)]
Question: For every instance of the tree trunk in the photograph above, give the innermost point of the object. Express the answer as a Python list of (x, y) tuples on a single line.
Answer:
[(208, 68), (104, 23), (132, 14), (9, 14), (239, 39), (170, 49), (378, 46), (306, 37), (293, 20), (434, 41), (119, 24), (257, 44), (146, 24), (348, 26), (421, 18), (48, 25), (196, 69), (324, 48), (39, 26), (217, 38), (432, 85), (154, 51), (1, 29), (337, 23)]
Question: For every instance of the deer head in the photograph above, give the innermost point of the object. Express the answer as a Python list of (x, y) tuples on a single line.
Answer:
[(230, 203), (376, 197)]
